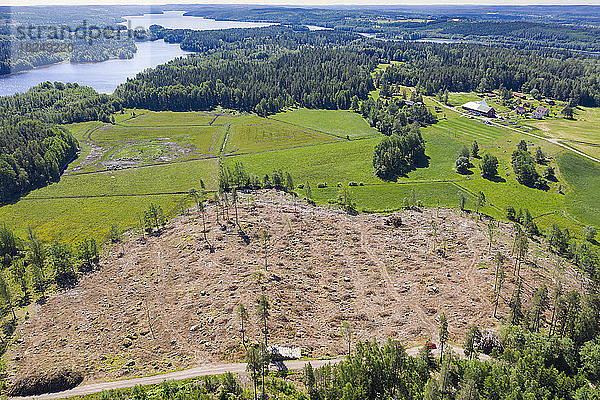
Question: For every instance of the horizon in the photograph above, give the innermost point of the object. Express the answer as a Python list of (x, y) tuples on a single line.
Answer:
[(310, 3)]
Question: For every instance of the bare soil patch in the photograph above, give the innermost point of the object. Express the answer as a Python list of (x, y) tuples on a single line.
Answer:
[(165, 302)]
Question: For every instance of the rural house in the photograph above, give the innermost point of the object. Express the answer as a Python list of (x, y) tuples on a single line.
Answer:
[(540, 112)]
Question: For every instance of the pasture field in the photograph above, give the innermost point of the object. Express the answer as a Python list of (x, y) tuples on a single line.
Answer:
[(343, 161), (72, 220), (167, 118), (460, 98), (305, 143), (582, 175), (387, 197), (268, 135), (340, 123), (592, 150), (583, 128), (82, 205)]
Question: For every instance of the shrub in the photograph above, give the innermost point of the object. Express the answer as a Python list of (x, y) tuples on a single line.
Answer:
[(352, 183), (114, 234), (511, 213), (462, 165), (322, 185), (361, 184), (590, 233), (394, 220), (301, 186)]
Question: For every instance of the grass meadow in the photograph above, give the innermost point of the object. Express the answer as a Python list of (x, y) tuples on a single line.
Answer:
[(340, 123), (312, 146)]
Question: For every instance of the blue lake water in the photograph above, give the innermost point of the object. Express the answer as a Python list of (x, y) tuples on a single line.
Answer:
[(105, 76), (176, 20)]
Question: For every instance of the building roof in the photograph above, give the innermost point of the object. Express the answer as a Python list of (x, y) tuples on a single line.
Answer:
[(541, 109), (479, 106)]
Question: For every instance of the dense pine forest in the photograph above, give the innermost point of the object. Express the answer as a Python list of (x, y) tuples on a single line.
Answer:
[(32, 154), (263, 86)]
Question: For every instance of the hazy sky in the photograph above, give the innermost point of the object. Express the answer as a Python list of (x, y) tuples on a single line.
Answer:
[(299, 2)]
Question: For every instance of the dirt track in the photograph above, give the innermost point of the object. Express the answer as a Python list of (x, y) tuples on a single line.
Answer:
[(165, 302), (216, 369)]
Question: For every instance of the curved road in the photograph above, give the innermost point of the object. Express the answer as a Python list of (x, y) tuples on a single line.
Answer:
[(213, 369)]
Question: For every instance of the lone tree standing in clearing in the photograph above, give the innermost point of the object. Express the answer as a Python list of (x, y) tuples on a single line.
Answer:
[(500, 276), (244, 316), (347, 333), (234, 199), (199, 199), (263, 315), (522, 247), (462, 201), (443, 334), (308, 193), (480, 202), (264, 236)]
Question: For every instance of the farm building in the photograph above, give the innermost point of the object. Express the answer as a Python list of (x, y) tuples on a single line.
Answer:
[(540, 112), (520, 110), (480, 108), (520, 95)]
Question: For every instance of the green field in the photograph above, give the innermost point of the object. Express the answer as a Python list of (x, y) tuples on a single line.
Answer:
[(339, 122), (271, 135), (581, 174), (168, 118), (311, 145), (87, 204), (583, 128)]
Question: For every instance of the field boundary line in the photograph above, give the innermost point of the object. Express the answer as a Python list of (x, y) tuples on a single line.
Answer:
[(322, 132), (475, 196), (165, 126)]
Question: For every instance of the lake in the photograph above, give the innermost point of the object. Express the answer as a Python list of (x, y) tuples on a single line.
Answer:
[(176, 20), (105, 76)]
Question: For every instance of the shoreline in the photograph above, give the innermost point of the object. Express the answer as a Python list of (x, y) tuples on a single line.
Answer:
[(66, 61)]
